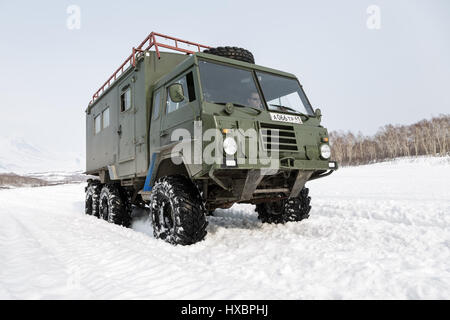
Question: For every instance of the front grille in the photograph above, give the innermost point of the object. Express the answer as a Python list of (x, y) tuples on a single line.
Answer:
[(285, 135)]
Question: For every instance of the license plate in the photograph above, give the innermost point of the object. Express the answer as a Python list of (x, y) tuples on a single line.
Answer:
[(285, 118)]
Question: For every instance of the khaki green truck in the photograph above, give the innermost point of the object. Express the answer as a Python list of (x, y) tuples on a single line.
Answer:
[(182, 133)]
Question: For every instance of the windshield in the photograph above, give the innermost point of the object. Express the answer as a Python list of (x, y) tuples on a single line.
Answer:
[(222, 84), (283, 94)]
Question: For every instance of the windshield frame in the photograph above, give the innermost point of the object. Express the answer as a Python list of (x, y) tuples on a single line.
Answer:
[(254, 70), (302, 95), (249, 70)]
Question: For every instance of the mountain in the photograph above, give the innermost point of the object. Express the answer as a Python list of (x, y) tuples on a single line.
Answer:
[(20, 156)]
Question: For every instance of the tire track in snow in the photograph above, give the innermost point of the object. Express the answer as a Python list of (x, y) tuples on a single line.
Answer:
[(384, 239), (106, 269)]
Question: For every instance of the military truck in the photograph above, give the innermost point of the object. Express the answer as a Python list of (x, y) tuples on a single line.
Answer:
[(167, 86)]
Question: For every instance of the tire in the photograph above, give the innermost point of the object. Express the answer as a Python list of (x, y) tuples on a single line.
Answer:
[(232, 53), (293, 209), (178, 211), (93, 198), (113, 206)]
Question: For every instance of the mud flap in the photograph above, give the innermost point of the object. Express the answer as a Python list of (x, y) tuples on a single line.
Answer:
[(302, 177), (252, 181)]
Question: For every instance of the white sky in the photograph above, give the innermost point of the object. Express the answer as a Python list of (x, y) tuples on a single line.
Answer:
[(360, 78)]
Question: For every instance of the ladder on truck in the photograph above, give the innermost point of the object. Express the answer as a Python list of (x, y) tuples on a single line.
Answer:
[(149, 42)]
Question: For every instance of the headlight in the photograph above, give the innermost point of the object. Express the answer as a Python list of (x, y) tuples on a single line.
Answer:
[(229, 146), (325, 151)]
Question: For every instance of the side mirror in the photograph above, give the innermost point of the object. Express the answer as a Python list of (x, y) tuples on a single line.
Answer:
[(318, 114), (176, 92)]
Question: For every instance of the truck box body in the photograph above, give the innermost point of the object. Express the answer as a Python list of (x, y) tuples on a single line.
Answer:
[(117, 123)]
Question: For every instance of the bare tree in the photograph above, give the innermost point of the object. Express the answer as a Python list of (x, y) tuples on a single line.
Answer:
[(426, 137)]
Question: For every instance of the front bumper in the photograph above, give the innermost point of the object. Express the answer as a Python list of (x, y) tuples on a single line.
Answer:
[(308, 165), (245, 186)]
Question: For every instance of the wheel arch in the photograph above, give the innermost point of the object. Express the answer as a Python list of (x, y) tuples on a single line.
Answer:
[(167, 168), (164, 166)]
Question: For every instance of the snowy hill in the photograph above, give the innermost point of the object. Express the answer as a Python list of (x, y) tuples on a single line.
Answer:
[(376, 231), (19, 156)]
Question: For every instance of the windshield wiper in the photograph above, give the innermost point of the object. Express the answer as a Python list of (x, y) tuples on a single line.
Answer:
[(293, 110), (240, 106)]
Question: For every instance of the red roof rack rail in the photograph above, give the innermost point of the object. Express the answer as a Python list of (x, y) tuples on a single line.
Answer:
[(150, 41)]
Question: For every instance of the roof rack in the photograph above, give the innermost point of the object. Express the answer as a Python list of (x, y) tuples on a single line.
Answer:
[(150, 41)]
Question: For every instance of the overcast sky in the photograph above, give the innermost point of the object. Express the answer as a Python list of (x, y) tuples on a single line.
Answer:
[(361, 78)]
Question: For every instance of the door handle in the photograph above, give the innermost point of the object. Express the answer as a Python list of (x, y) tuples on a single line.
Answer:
[(119, 132)]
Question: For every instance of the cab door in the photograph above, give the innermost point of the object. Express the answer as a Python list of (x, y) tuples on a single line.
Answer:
[(179, 114)]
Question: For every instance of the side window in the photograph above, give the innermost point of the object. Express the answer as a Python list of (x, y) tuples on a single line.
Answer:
[(187, 82), (98, 123), (125, 99), (101, 121), (191, 87), (105, 118), (156, 104)]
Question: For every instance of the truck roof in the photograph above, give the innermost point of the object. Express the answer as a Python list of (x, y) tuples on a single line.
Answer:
[(152, 41)]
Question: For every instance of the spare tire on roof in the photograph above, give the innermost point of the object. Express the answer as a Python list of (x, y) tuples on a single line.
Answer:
[(236, 53)]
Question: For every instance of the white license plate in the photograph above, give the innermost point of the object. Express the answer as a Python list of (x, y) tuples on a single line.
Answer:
[(285, 118)]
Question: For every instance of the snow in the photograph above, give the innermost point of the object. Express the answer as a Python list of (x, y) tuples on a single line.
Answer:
[(56, 177), (377, 231)]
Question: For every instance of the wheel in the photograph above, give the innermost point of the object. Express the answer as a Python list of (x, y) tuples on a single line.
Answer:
[(178, 211), (113, 206), (92, 198), (233, 53), (293, 209)]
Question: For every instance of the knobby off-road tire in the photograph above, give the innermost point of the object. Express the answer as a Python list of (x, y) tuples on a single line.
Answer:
[(293, 209), (113, 206), (233, 53), (178, 211), (93, 198)]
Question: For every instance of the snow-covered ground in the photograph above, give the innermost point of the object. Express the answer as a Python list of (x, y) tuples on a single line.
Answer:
[(375, 231), (59, 177)]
